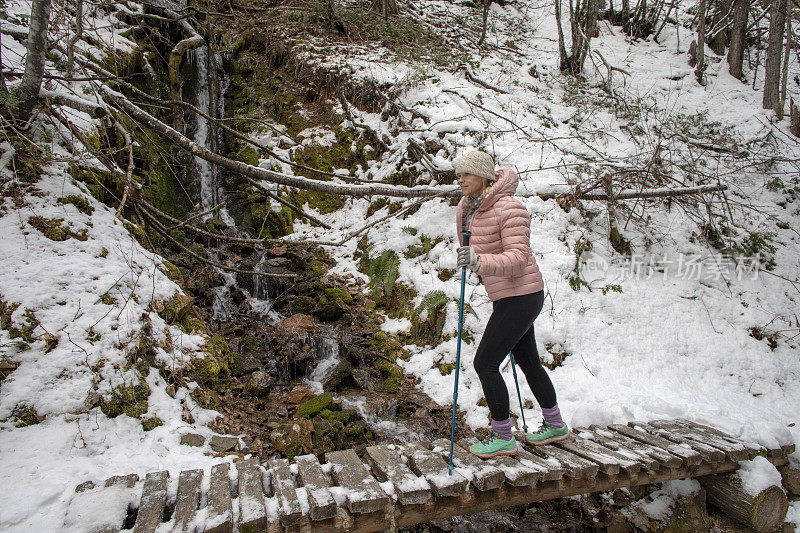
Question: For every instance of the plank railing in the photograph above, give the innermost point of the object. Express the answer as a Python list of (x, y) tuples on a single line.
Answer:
[(395, 486)]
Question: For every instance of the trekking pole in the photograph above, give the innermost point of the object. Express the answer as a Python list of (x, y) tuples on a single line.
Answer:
[(516, 382), (465, 239)]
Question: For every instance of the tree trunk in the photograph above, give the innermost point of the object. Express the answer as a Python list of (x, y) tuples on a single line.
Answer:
[(385, 7), (738, 34), (701, 42), (794, 119), (28, 90), (486, 4), (772, 67), (720, 40), (562, 49), (785, 79), (75, 36), (764, 512)]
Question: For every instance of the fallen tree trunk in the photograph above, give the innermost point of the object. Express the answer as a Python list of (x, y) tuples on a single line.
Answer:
[(763, 512)]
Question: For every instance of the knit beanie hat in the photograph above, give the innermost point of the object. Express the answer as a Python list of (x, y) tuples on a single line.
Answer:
[(478, 163)]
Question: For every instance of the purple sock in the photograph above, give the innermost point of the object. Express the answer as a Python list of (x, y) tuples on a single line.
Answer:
[(502, 428), (552, 416)]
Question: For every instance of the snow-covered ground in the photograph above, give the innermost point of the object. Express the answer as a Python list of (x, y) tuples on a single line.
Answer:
[(670, 344)]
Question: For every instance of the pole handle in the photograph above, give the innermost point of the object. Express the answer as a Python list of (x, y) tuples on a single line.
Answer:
[(465, 235)]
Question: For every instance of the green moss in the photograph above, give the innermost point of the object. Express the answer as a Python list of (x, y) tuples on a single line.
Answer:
[(51, 228), (315, 405), (355, 431), (108, 299), (130, 400), (446, 274), (81, 203), (103, 253), (205, 398), (377, 205), (338, 294), (248, 155), (303, 304), (446, 368), (342, 417), (100, 183), (149, 424), (323, 202), (171, 271), (207, 369), (271, 224), (482, 403), (394, 376), (316, 269)]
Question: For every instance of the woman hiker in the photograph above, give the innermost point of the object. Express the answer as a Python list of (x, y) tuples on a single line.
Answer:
[(499, 252)]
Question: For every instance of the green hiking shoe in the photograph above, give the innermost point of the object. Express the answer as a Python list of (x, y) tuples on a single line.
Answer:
[(547, 434), (493, 445)]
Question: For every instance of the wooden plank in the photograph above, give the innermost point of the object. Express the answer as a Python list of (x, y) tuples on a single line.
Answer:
[(151, 507), (686, 454), (516, 473), (115, 497), (252, 512), (610, 461), (388, 465), (219, 515), (283, 485), (734, 448), (659, 455), (363, 493), (573, 465), (310, 474), (188, 499), (551, 469), (709, 453), (431, 465), (482, 475), (647, 462)]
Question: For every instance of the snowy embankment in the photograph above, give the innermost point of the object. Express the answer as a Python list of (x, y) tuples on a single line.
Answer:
[(79, 308)]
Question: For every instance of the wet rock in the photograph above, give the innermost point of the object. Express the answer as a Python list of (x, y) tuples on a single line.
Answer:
[(202, 281), (279, 262), (299, 394), (222, 443), (342, 370), (193, 439), (315, 405), (389, 410), (362, 378), (260, 383), (277, 251), (298, 321), (245, 364), (294, 438), (331, 310)]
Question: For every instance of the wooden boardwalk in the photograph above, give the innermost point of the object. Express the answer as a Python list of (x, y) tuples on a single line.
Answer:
[(395, 486)]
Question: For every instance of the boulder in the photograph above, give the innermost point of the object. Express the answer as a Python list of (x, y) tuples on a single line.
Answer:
[(294, 438), (222, 443), (193, 439), (299, 394), (244, 364), (260, 383), (298, 321)]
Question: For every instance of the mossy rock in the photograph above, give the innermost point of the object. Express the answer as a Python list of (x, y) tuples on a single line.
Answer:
[(338, 294), (130, 400), (314, 405), (100, 183), (316, 269), (205, 399), (394, 376), (206, 369), (51, 228), (171, 271), (174, 310), (330, 310), (294, 438), (248, 155), (336, 416), (303, 304)]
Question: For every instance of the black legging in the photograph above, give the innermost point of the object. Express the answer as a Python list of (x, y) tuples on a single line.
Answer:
[(510, 329)]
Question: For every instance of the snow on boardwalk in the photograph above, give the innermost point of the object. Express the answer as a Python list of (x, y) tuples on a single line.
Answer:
[(403, 485)]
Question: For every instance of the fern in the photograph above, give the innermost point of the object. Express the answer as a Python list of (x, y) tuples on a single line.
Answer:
[(383, 273), (431, 303)]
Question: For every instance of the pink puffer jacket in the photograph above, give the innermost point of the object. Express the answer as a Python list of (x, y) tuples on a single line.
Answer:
[(501, 230)]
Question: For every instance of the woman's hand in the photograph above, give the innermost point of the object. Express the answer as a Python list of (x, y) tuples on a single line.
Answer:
[(468, 258)]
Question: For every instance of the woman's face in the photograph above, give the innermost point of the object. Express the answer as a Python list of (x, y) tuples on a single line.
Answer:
[(471, 185)]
